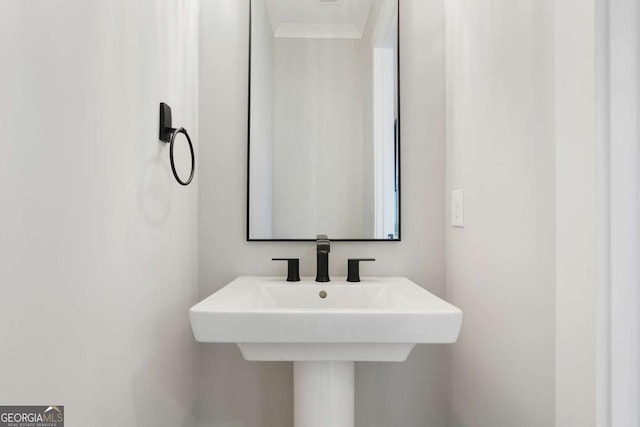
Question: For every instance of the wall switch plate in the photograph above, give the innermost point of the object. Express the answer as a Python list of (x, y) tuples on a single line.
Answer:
[(457, 208)]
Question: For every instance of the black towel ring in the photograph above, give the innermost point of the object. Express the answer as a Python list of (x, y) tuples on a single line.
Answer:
[(168, 135), (193, 157)]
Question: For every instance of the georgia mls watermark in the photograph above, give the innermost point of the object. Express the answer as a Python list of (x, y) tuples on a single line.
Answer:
[(32, 416)]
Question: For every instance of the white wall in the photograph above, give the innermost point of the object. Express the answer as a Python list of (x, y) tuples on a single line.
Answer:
[(261, 178), (623, 51), (576, 214), (500, 266), (318, 138), (368, 155), (234, 392), (97, 241)]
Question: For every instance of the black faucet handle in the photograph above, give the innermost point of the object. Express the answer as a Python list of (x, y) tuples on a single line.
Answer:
[(293, 268), (353, 268)]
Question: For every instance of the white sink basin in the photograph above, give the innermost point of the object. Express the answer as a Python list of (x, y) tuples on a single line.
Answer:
[(324, 328), (377, 319)]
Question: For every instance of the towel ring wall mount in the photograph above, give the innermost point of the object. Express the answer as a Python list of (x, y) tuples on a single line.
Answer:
[(168, 134)]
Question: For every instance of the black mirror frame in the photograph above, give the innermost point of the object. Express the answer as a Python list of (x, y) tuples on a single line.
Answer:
[(397, 160)]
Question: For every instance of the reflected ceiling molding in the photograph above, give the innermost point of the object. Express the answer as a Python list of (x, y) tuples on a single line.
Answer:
[(345, 19), (317, 31)]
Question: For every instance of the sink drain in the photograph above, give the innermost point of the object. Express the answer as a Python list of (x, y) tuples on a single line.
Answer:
[(323, 294)]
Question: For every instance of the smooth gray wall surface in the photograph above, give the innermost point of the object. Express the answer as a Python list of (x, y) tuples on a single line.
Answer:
[(317, 139), (261, 122), (98, 243), (501, 265), (585, 250), (234, 392)]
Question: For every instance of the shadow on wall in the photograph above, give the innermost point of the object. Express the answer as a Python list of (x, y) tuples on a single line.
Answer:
[(155, 190)]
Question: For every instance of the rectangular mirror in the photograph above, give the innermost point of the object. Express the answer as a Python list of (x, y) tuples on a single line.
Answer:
[(324, 115)]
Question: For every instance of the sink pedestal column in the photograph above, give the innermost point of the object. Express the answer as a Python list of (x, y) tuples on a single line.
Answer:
[(324, 394)]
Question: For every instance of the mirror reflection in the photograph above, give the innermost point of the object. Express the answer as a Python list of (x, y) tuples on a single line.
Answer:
[(324, 120)]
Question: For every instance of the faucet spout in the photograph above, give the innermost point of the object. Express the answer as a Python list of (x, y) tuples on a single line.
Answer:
[(323, 247)]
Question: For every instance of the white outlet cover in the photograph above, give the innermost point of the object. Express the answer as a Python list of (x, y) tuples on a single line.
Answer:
[(457, 208)]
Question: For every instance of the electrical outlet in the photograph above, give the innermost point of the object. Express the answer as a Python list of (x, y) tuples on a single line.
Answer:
[(457, 208)]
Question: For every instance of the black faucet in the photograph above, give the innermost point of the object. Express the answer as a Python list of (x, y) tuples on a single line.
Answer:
[(323, 247)]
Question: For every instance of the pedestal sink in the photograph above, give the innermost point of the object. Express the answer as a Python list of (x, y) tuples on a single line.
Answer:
[(325, 328)]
